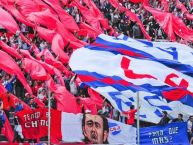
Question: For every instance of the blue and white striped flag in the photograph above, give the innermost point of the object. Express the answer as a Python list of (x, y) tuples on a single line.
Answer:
[(117, 68)]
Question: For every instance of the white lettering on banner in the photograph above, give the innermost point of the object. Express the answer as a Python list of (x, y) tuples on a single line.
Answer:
[(173, 130), (29, 117), (158, 137), (37, 123), (160, 140)]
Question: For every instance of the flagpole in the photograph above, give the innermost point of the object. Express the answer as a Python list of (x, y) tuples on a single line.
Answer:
[(138, 122), (49, 115)]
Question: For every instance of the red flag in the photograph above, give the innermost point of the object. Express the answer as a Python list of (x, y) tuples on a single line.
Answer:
[(57, 48), (28, 6), (136, 1), (49, 58), (10, 50), (131, 16), (180, 6), (33, 122), (97, 13), (18, 15), (59, 75), (46, 34), (7, 130), (34, 69), (7, 21), (43, 17), (87, 15), (189, 16), (63, 97), (171, 24), (88, 30), (10, 66), (96, 97), (66, 19), (89, 104), (165, 21)]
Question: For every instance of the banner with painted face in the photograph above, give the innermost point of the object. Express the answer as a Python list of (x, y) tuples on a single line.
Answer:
[(75, 128), (94, 129)]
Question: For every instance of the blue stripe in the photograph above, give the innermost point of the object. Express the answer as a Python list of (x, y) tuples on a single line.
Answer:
[(145, 87), (114, 48)]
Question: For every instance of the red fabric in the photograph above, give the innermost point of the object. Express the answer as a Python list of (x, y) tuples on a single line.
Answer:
[(66, 19), (171, 24), (49, 58), (136, 1), (131, 116), (7, 21), (59, 75), (33, 123), (10, 66), (63, 97), (95, 97), (25, 53), (87, 15), (57, 48), (85, 30), (34, 69), (56, 131), (175, 94), (89, 104), (45, 34), (18, 15), (189, 16), (97, 13), (179, 5), (65, 2), (43, 18), (6, 103), (10, 50), (27, 6), (7, 130)]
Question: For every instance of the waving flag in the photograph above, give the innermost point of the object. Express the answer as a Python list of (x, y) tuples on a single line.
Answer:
[(129, 69)]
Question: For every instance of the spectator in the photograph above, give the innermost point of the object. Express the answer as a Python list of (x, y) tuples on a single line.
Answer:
[(9, 82), (73, 87), (18, 136), (131, 115), (190, 128), (165, 119), (106, 109), (18, 106), (2, 119), (179, 119)]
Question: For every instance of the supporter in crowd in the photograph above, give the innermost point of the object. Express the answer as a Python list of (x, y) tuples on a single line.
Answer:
[(165, 119), (2, 119), (131, 115), (190, 128), (179, 119)]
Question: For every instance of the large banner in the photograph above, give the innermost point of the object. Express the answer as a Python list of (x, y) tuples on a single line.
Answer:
[(75, 128), (34, 123), (170, 134), (93, 129)]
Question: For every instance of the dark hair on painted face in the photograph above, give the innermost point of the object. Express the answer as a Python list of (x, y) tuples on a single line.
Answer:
[(105, 128)]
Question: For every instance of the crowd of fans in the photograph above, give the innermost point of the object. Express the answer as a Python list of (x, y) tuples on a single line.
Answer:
[(120, 23)]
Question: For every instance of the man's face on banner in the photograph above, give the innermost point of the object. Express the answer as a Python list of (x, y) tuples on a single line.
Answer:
[(93, 129)]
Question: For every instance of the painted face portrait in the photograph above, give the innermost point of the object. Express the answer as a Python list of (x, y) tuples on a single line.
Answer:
[(95, 129)]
